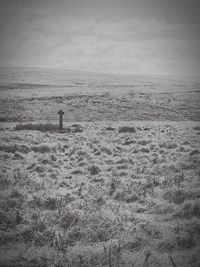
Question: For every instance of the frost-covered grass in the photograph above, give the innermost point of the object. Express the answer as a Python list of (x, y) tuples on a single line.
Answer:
[(101, 196)]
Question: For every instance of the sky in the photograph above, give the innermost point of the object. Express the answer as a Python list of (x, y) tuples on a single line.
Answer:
[(110, 36)]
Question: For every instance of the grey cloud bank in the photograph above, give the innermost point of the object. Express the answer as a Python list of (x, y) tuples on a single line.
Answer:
[(147, 37)]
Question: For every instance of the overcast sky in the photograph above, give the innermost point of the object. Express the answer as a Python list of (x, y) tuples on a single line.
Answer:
[(114, 36)]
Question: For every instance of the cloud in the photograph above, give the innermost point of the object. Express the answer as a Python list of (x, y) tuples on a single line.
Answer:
[(41, 37), (94, 53), (129, 27)]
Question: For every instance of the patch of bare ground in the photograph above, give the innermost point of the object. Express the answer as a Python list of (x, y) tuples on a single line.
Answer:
[(108, 195)]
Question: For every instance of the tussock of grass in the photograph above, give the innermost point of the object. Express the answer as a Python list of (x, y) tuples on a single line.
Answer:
[(10, 218), (5, 181), (175, 195), (168, 145), (166, 246), (189, 209), (127, 129), (185, 240), (3, 119), (17, 149), (48, 127), (69, 219), (41, 149), (37, 127), (197, 128)]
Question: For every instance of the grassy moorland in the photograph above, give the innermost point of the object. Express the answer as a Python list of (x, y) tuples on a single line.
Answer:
[(93, 107), (115, 194), (37, 94), (120, 186)]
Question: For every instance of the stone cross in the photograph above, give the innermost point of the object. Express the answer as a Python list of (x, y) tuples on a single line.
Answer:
[(60, 112)]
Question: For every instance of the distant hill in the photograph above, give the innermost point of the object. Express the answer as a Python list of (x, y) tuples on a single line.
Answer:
[(44, 77)]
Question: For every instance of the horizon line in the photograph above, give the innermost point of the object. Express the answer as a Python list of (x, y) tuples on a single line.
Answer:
[(101, 72)]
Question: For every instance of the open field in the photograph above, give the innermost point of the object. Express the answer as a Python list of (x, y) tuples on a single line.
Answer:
[(124, 190), (101, 197), (29, 95), (133, 106)]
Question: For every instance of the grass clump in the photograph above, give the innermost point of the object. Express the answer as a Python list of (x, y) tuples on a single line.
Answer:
[(189, 209), (127, 129), (37, 127)]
